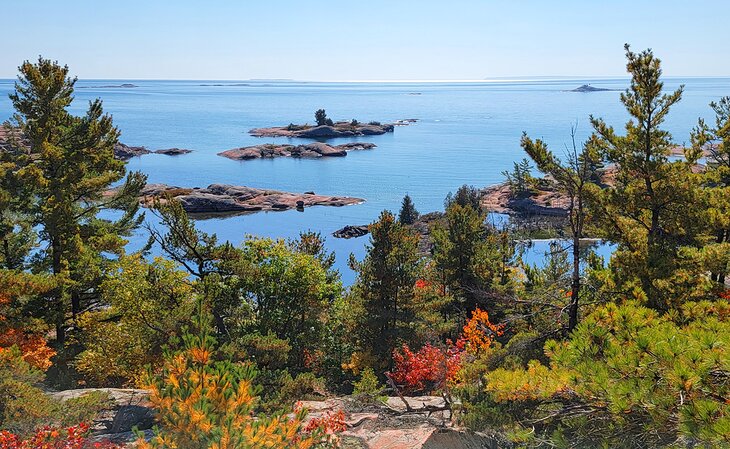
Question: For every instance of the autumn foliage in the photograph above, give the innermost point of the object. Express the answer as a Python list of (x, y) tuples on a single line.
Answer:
[(208, 403), (74, 437), (431, 368)]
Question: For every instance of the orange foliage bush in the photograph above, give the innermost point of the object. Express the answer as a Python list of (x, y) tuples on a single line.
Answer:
[(34, 348), (431, 368), (74, 437)]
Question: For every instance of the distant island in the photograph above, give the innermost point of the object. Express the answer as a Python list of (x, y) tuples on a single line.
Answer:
[(589, 88), (224, 85), (110, 86)]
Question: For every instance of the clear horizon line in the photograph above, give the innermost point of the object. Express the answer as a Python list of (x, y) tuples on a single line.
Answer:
[(483, 80)]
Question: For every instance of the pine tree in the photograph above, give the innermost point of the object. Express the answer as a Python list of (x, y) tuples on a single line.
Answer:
[(385, 286), (408, 213), (715, 142), (646, 211), (205, 401), (67, 166), (469, 259), (573, 177), (320, 116)]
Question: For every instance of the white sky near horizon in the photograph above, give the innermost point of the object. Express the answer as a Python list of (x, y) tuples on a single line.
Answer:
[(373, 40)]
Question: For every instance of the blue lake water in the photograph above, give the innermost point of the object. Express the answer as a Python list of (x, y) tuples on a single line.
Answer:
[(467, 133)]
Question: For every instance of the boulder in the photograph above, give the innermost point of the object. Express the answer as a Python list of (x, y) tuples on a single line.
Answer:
[(130, 409)]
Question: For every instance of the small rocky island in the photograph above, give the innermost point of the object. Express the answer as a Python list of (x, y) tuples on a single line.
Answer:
[(126, 152), (588, 88), (111, 86), (311, 150), (224, 199), (325, 128)]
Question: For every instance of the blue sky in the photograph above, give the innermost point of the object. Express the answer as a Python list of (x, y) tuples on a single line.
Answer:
[(363, 40)]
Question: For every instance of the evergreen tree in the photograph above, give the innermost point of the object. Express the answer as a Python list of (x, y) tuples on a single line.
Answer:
[(68, 165), (646, 211), (572, 177), (384, 287), (520, 179), (408, 213), (465, 196), (205, 401), (320, 116), (715, 143), (469, 259)]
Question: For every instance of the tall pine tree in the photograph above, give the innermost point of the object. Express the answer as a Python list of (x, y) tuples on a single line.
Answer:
[(67, 165)]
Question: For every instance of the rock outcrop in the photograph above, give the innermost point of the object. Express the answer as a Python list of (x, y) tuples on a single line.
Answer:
[(126, 152), (311, 150), (350, 232), (130, 409), (499, 198), (228, 199), (338, 129), (425, 424), (173, 151)]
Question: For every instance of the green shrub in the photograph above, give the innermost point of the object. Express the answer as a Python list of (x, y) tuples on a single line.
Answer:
[(368, 389)]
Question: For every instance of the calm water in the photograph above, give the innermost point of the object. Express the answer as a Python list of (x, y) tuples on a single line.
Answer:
[(468, 133)]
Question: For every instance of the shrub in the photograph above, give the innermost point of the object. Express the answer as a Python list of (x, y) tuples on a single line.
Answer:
[(74, 437), (206, 402), (374, 123), (368, 389)]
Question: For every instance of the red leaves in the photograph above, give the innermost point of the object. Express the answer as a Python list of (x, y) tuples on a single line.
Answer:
[(431, 368), (74, 437), (426, 370)]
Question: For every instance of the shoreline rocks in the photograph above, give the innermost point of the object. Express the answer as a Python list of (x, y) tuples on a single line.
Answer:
[(499, 198), (312, 150), (338, 129), (224, 199)]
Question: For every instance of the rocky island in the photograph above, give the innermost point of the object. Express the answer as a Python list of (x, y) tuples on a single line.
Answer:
[(111, 86), (126, 152), (312, 150), (224, 199), (337, 129), (325, 128), (588, 88)]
